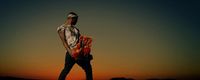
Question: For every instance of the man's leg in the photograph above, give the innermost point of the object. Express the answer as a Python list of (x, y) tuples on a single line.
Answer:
[(69, 62), (86, 66)]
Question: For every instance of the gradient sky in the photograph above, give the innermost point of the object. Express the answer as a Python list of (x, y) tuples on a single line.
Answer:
[(131, 38)]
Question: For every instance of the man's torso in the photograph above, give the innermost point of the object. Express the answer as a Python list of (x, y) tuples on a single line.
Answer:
[(71, 34)]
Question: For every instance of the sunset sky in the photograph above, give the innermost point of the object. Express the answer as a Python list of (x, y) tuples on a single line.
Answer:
[(131, 38)]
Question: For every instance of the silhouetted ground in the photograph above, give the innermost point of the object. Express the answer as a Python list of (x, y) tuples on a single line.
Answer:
[(14, 78), (161, 79), (121, 78), (182, 78)]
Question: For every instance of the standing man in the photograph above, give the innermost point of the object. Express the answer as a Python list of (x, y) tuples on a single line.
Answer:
[(76, 46)]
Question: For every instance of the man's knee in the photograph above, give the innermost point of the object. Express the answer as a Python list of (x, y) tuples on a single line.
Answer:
[(87, 68)]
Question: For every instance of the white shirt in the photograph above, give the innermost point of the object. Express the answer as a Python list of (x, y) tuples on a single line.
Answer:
[(71, 34)]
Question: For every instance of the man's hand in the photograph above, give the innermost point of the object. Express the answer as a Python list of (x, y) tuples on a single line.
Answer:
[(69, 51)]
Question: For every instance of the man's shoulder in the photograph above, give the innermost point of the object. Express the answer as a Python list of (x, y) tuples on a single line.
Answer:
[(61, 27), (75, 27)]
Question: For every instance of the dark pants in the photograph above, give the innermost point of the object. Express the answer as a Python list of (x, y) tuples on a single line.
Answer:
[(84, 62)]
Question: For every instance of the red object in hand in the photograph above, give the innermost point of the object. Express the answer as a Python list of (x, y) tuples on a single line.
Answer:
[(83, 45)]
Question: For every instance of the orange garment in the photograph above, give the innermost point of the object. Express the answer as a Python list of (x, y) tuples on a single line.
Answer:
[(83, 47)]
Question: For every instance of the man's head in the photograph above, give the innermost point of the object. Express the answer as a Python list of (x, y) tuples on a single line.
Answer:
[(72, 18)]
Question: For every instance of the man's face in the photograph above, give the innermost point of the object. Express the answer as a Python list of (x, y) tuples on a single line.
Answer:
[(69, 20)]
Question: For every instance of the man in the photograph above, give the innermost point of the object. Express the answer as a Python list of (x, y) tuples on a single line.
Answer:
[(74, 43)]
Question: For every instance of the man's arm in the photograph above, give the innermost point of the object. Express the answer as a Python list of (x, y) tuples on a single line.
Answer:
[(64, 41)]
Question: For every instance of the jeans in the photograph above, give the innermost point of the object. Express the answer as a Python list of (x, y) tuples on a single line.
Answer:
[(83, 62)]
